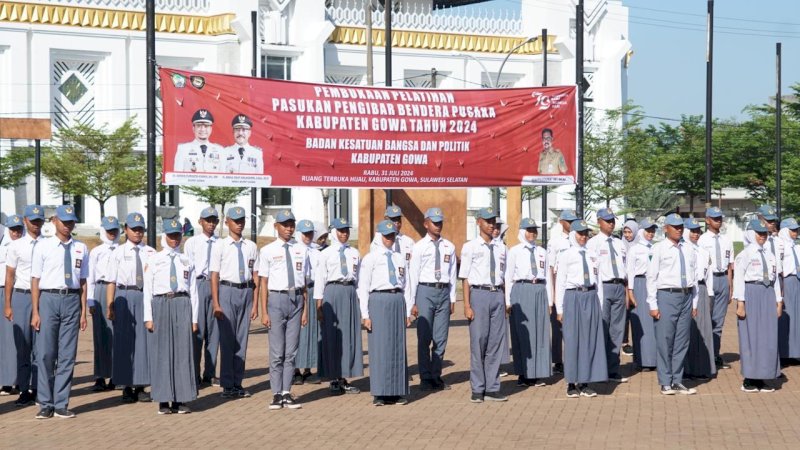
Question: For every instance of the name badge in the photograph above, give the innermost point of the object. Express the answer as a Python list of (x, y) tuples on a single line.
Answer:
[(541, 264), (185, 274), (408, 256), (401, 270), (298, 266), (447, 258), (78, 263), (250, 263)]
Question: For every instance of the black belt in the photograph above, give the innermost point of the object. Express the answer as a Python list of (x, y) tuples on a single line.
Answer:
[(435, 285), (760, 282), (102, 282), (388, 291), (487, 288), (202, 277), (719, 274), (342, 282), (640, 276), (246, 284), (128, 288), (702, 283), (64, 291), (288, 291), (173, 294), (22, 291), (311, 284), (615, 281), (685, 290), (583, 288), (534, 281)]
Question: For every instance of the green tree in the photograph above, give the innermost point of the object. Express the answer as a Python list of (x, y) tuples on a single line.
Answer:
[(15, 165), (651, 201), (213, 195), (96, 162), (680, 160)]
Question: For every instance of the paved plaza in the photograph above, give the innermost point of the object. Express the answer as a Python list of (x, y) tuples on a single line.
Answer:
[(626, 415)]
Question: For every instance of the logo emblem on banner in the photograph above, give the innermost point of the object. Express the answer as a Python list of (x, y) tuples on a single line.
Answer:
[(178, 80), (197, 81)]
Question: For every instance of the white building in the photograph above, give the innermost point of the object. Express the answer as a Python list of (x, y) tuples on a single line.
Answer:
[(84, 61)]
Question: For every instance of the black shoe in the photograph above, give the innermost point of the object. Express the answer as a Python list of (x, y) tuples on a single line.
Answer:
[(5, 390), (290, 402), (335, 388), (378, 401), (402, 401), (163, 409), (25, 399), (627, 349), (476, 397), (180, 408), (683, 390), (230, 393), (441, 385), (617, 378), (495, 397), (128, 396), (205, 381), (521, 381), (64, 413), (110, 386), (99, 385), (348, 388), (45, 413), (312, 378), (142, 396), (298, 379), (277, 402), (242, 392), (586, 391), (558, 368), (721, 364), (764, 387), (573, 391), (749, 386), (535, 382), (427, 385)]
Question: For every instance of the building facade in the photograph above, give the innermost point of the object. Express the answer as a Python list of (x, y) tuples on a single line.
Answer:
[(83, 61)]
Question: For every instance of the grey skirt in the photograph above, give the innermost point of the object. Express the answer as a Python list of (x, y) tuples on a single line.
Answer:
[(102, 333), (700, 357), (758, 334), (530, 330), (8, 348), (789, 322), (131, 364), (342, 355), (388, 364), (584, 341), (643, 327), (308, 353), (171, 351)]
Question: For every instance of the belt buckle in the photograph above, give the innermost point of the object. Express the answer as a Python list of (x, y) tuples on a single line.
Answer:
[(493, 288), (291, 291), (63, 291), (169, 295)]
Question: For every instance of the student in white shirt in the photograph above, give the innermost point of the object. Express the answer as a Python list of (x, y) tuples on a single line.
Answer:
[(97, 288), (234, 294), (482, 273), (700, 357), (18, 306), (206, 340), (557, 244), (402, 244), (759, 306), (643, 328), (386, 313), (59, 267), (170, 314), (672, 297), (284, 306), (528, 297), (308, 353), (789, 323), (131, 366), (578, 301), (432, 285), (14, 230)]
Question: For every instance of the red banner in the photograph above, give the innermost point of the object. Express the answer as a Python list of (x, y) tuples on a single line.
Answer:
[(224, 130)]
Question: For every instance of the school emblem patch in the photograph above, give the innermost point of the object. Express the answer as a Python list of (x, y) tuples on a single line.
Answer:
[(197, 81)]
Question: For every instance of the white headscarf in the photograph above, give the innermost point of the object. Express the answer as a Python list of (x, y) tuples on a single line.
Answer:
[(521, 237), (749, 237), (634, 227), (573, 241), (784, 234), (104, 237)]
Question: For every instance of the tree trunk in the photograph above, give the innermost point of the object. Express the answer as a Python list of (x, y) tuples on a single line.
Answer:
[(326, 196), (691, 205), (102, 208)]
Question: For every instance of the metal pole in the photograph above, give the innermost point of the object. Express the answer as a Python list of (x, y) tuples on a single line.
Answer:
[(253, 73), (150, 33), (544, 188), (709, 85), (37, 168), (368, 20), (579, 81), (778, 149), (387, 19), (433, 77)]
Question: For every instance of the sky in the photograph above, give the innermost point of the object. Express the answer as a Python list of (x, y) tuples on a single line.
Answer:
[(667, 75)]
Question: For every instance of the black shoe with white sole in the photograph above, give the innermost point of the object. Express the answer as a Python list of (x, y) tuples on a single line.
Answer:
[(495, 397), (64, 413), (290, 402), (277, 402), (573, 391)]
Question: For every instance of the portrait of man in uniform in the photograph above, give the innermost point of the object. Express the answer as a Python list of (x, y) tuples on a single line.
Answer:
[(551, 161), (200, 155), (241, 157)]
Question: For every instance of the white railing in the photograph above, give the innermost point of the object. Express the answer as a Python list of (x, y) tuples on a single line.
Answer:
[(418, 17), (171, 6)]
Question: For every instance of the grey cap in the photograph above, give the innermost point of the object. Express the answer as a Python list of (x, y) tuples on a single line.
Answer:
[(487, 213), (435, 214)]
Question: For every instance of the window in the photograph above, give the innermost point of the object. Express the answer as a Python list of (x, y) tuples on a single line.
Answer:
[(276, 67), (276, 197), (169, 196), (76, 201), (339, 203)]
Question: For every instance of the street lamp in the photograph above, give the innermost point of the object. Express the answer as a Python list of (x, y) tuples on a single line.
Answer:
[(483, 66), (517, 47)]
